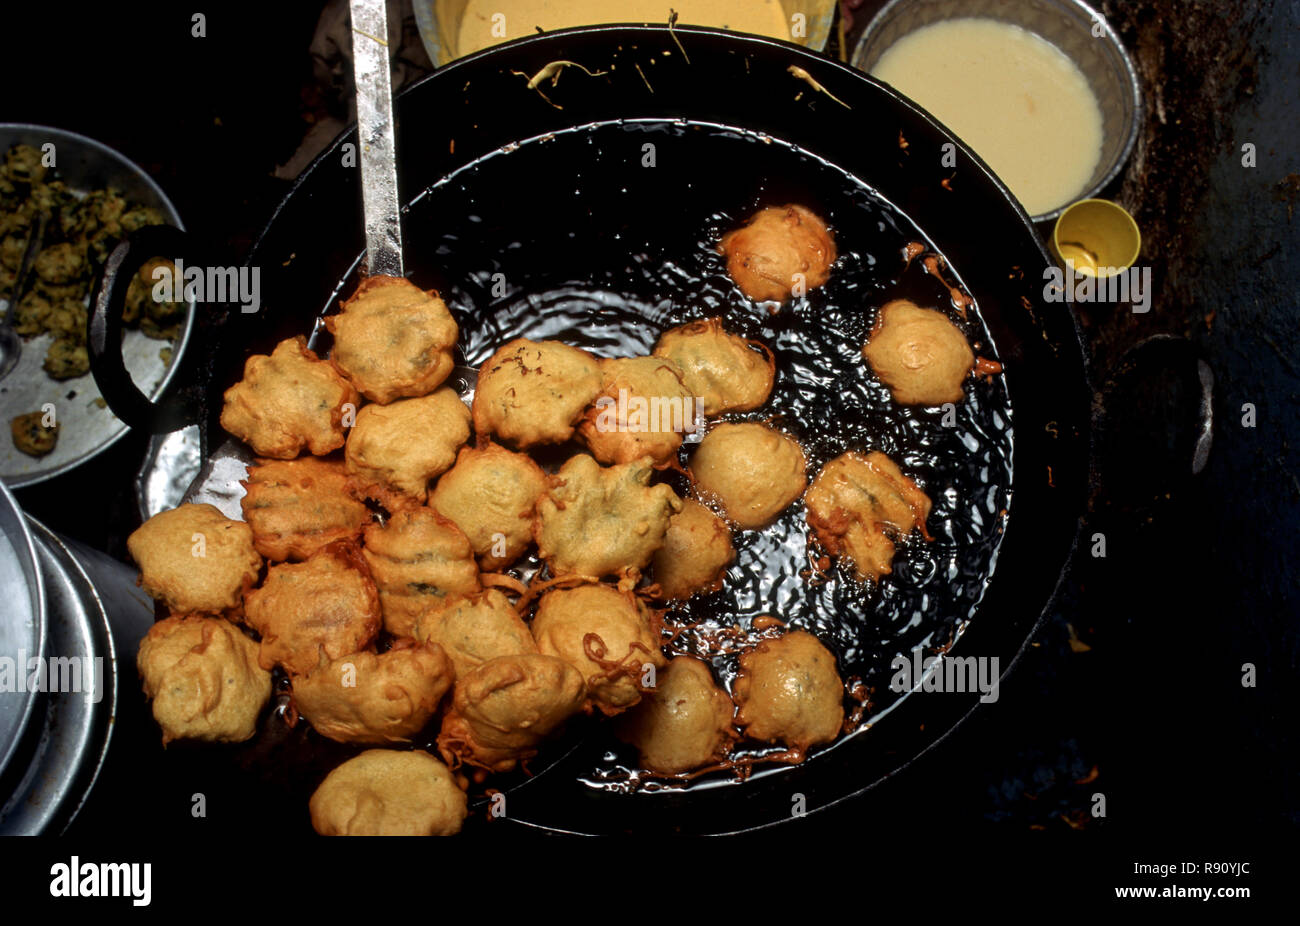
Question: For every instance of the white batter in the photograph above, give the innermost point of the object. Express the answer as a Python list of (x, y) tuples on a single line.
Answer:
[(1018, 100)]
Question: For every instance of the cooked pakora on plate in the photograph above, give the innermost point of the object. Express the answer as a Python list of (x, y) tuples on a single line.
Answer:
[(32, 435), (69, 231)]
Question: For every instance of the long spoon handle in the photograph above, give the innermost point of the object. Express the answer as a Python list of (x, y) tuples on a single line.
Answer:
[(375, 132)]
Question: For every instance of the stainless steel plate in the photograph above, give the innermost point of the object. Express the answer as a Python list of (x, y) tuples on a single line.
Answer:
[(86, 427), (64, 749), (22, 623)]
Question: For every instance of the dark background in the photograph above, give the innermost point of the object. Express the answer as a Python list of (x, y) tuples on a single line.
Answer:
[(1133, 688)]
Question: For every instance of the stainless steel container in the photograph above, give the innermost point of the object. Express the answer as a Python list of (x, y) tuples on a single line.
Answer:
[(1073, 26), (63, 749), (69, 611), (22, 626)]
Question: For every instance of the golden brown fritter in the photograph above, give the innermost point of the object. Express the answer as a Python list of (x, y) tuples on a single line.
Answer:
[(96, 218), (61, 264), (67, 321), (295, 507), (859, 504), (66, 359), (752, 471), (311, 612), (474, 629), (203, 678), (25, 164), (685, 723), (288, 401), (721, 369), (375, 698), (789, 692), (611, 637), (393, 339), (31, 436), (696, 553), (780, 249), (491, 494), (12, 250), (385, 792), (394, 450), (598, 521), (194, 558), (32, 314), (59, 292), (502, 710), (419, 559), (919, 354), (643, 410), (140, 300), (534, 392)]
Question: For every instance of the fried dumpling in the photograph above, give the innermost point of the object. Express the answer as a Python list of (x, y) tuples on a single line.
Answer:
[(781, 250)]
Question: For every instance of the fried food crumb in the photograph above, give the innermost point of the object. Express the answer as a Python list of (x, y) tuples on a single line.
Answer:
[(32, 436)]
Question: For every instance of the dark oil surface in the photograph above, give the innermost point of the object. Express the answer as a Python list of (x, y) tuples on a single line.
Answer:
[(573, 237)]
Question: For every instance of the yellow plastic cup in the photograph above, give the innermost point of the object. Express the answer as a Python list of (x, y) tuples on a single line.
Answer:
[(1098, 237)]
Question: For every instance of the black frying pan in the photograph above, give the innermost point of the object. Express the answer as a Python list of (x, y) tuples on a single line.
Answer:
[(580, 227)]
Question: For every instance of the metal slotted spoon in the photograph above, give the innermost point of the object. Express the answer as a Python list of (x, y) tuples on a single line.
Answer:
[(377, 137), (219, 480)]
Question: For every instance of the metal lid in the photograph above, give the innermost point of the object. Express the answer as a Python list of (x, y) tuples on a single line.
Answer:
[(22, 624)]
